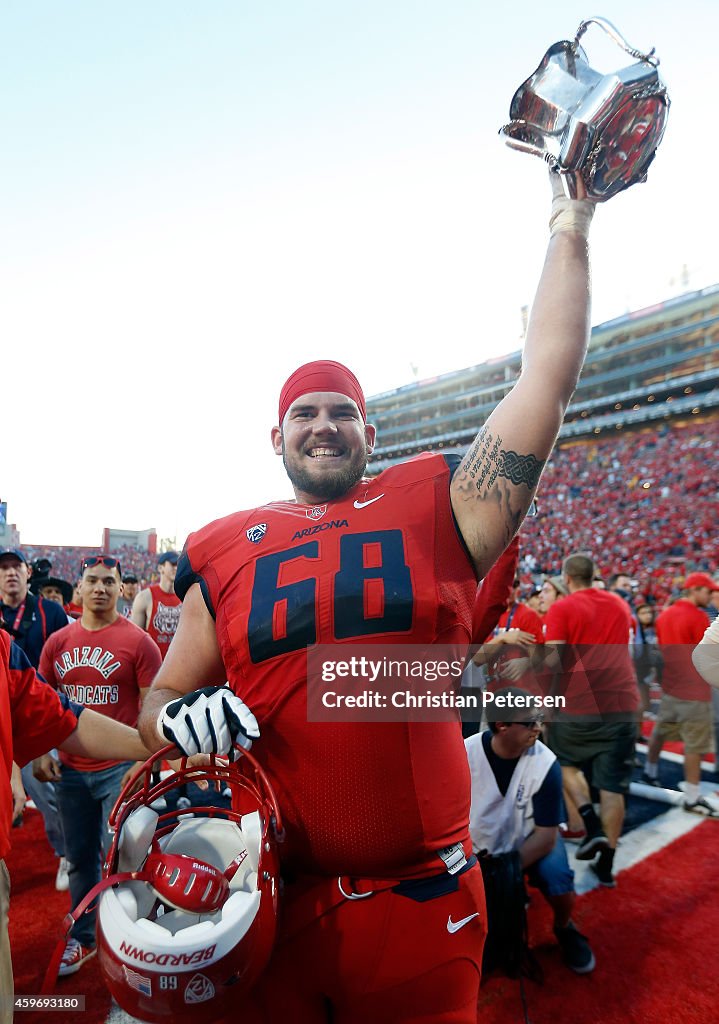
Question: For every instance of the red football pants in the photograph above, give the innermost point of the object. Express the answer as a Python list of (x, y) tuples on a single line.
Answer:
[(386, 959)]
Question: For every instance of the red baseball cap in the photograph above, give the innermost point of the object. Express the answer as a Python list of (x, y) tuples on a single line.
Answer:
[(700, 579)]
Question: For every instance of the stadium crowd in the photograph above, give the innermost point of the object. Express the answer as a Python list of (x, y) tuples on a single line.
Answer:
[(641, 503), (66, 561)]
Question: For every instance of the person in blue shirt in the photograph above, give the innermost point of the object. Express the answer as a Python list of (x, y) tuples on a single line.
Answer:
[(30, 620)]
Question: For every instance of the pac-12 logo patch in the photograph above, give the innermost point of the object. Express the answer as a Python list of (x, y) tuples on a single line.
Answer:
[(316, 512), (199, 989), (256, 533)]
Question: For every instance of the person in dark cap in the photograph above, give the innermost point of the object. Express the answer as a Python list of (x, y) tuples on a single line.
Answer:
[(685, 711), (52, 588), (157, 608), (128, 593), (28, 619)]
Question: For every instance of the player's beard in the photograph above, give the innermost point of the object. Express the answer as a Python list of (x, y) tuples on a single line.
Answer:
[(327, 486)]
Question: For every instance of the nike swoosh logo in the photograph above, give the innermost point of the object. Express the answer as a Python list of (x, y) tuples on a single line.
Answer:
[(454, 926), (364, 504)]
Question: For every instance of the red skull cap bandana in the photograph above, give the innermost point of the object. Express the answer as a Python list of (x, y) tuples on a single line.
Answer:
[(321, 375)]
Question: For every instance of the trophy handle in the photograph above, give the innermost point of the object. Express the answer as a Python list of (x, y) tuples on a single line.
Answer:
[(618, 38), (527, 139)]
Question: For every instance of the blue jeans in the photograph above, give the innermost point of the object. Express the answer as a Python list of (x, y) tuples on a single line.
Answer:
[(552, 874), (44, 797), (85, 800)]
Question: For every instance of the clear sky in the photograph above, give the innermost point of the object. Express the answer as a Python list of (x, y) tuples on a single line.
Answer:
[(198, 197)]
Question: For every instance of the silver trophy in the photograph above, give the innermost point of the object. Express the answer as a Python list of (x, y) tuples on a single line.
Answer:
[(605, 128)]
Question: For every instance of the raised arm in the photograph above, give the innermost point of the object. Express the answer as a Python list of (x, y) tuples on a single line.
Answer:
[(494, 486)]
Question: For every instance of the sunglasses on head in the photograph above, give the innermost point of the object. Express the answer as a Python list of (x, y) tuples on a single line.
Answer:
[(106, 560)]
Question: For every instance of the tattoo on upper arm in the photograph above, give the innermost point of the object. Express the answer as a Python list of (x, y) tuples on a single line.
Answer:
[(487, 459)]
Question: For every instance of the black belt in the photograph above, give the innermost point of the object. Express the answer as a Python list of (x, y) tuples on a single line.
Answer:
[(423, 889)]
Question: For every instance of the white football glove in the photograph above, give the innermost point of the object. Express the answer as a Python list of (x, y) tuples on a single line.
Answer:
[(208, 721)]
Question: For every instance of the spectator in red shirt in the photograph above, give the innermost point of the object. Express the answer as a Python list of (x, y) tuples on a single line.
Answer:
[(685, 711), (592, 628), (517, 631)]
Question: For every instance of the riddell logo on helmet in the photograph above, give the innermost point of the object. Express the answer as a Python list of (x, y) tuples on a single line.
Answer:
[(199, 866), (147, 956)]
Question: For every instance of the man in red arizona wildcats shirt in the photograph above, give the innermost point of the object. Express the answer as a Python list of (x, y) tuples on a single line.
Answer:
[(378, 810), (104, 662)]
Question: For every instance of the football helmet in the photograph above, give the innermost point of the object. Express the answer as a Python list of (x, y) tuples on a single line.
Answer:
[(188, 917)]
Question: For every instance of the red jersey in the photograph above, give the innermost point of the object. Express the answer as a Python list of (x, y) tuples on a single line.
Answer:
[(382, 564), (599, 675), (164, 617), (680, 627), (104, 669), (32, 721)]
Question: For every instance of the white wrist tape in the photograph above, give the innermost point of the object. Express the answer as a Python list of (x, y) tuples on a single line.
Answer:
[(571, 215), (568, 214)]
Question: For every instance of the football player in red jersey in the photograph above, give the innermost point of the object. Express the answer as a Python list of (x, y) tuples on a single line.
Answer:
[(383, 906)]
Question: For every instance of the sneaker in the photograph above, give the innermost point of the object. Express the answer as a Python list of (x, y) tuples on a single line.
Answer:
[(603, 875), (576, 951), (62, 878), (701, 806), (647, 780), (591, 845), (74, 957), (183, 802), (572, 835)]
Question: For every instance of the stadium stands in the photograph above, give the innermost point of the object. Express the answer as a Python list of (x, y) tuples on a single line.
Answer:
[(629, 481), (66, 561), (641, 502)]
